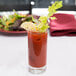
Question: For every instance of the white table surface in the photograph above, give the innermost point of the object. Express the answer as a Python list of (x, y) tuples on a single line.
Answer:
[(61, 55)]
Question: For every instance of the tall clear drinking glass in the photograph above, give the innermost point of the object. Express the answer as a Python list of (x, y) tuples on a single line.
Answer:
[(37, 51)]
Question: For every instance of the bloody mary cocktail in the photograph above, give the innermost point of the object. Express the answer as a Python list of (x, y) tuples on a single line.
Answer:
[(37, 46), (37, 39)]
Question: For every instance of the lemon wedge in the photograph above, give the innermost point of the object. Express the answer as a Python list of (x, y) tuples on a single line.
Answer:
[(29, 26)]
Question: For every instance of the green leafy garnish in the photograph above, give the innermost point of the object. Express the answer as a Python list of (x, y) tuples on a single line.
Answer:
[(43, 25), (52, 9), (43, 19)]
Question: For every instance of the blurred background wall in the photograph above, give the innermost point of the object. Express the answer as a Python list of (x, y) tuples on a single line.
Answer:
[(46, 3), (38, 3), (14, 2), (6, 5)]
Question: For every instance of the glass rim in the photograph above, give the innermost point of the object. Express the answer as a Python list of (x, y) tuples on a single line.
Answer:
[(37, 31)]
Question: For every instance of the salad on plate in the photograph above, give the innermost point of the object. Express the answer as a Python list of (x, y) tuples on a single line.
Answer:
[(13, 22)]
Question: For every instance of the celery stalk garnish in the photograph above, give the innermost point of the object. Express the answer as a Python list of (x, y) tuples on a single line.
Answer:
[(43, 25)]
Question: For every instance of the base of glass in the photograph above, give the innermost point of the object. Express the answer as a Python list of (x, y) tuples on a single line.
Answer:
[(34, 70)]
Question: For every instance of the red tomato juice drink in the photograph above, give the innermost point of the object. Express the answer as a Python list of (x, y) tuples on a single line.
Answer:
[(37, 50)]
